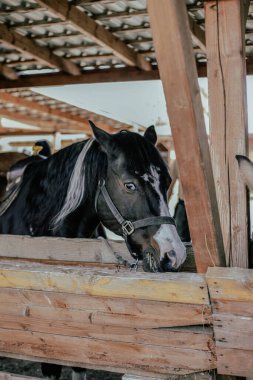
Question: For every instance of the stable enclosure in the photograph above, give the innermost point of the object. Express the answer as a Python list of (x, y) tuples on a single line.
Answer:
[(104, 316), (76, 302)]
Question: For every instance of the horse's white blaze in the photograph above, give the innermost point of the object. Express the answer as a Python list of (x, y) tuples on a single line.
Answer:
[(166, 237)]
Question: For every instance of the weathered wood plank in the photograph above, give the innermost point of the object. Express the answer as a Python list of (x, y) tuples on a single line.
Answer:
[(234, 362), (169, 287), (106, 310), (177, 69), (232, 301), (82, 251), (12, 376), (233, 332), (190, 338), (62, 249), (230, 284), (228, 120), (89, 352), (233, 307), (196, 376)]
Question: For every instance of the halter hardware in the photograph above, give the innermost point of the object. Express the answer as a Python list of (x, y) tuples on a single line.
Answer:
[(127, 226)]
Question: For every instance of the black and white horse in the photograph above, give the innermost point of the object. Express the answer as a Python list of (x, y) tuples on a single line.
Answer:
[(119, 180)]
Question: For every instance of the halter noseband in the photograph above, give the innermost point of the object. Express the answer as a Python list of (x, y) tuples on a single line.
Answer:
[(127, 226)]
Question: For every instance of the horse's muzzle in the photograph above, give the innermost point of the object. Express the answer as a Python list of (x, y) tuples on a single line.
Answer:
[(152, 262)]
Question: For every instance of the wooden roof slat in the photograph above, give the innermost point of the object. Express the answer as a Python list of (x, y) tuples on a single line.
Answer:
[(198, 34), (66, 11), (8, 72), (30, 120), (19, 9), (18, 101), (43, 54), (119, 15), (95, 76)]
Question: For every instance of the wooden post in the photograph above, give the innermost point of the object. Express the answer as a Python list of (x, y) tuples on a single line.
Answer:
[(177, 67), (226, 70)]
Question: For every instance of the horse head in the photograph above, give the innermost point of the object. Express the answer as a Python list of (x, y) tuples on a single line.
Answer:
[(131, 200)]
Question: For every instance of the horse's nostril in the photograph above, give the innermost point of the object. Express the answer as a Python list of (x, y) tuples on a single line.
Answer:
[(169, 261)]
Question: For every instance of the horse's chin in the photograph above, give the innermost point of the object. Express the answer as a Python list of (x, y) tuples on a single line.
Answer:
[(151, 261)]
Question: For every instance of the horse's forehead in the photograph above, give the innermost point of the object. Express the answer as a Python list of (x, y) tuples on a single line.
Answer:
[(152, 175)]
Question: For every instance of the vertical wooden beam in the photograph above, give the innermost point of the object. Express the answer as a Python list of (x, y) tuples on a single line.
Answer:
[(226, 70), (177, 67)]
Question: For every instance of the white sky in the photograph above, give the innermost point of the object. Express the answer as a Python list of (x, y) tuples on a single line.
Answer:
[(136, 103), (139, 103)]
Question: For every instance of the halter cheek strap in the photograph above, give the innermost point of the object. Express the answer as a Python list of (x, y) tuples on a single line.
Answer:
[(128, 227)]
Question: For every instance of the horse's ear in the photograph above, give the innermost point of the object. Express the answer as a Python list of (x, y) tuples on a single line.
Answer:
[(246, 170), (150, 134), (104, 138)]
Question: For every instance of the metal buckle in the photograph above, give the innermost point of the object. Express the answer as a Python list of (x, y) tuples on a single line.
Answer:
[(127, 227)]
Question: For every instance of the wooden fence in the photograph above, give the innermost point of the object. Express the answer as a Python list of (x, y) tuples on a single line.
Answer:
[(108, 317)]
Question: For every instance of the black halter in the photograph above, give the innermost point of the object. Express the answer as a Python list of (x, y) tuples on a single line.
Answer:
[(128, 227)]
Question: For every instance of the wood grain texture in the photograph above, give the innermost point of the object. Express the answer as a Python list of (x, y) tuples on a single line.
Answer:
[(168, 287), (230, 284), (40, 53), (62, 249), (231, 293), (228, 121), (177, 69), (106, 310), (86, 25), (88, 351), (12, 376), (74, 251)]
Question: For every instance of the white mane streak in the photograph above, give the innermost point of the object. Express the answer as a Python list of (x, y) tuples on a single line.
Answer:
[(76, 187)]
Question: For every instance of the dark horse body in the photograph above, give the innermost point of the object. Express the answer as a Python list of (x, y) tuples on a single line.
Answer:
[(7, 159), (59, 197)]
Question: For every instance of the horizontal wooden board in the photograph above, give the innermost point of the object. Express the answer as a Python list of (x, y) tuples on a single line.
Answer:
[(231, 361), (123, 312), (240, 308), (89, 352), (167, 287), (233, 284), (233, 331), (197, 338), (74, 251), (12, 376), (62, 249)]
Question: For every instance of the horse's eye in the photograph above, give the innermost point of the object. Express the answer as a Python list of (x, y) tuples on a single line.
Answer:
[(130, 186)]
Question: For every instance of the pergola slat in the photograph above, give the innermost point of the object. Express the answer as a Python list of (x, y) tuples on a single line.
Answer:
[(18, 101), (42, 54), (178, 73), (86, 25)]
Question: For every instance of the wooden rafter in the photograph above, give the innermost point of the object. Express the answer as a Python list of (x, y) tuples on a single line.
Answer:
[(42, 54), (9, 132), (8, 72), (178, 71), (66, 11), (30, 120), (18, 101)]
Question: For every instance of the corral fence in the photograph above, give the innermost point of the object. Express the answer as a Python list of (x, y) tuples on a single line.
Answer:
[(88, 309)]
